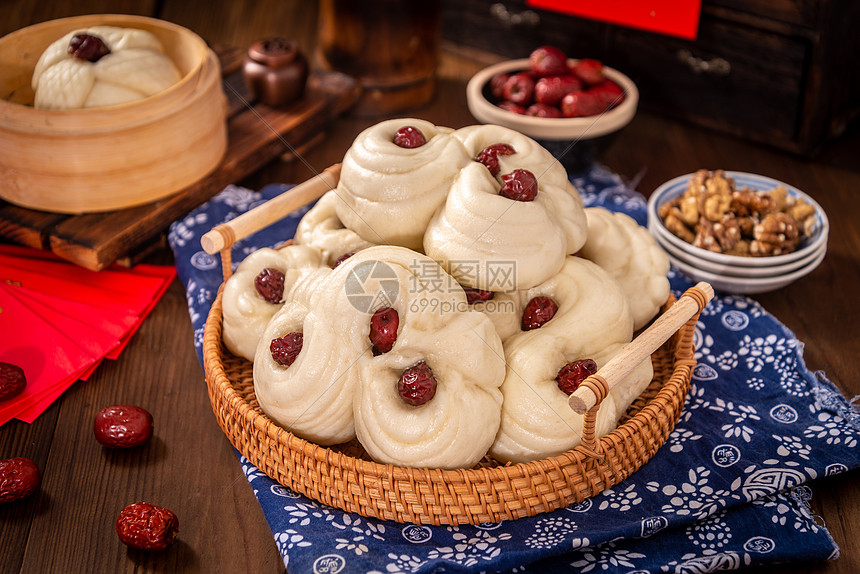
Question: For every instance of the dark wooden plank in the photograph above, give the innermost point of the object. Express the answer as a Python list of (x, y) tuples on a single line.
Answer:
[(27, 226), (188, 467), (16, 518)]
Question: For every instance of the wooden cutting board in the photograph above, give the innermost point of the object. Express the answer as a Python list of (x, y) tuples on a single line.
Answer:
[(257, 134)]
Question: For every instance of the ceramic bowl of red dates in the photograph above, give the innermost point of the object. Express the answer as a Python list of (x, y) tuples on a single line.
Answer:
[(574, 108)]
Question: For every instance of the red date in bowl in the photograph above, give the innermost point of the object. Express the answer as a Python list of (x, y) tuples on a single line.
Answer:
[(602, 102)]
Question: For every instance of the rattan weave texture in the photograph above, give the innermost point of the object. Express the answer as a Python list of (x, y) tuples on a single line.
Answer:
[(343, 477)]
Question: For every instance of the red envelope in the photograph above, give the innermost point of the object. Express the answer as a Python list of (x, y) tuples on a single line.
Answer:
[(27, 252), (28, 408), (46, 355), (51, 285), (31, 412), (135, 291), (92, 340), (116, 324), (66, 319), (166, 276)]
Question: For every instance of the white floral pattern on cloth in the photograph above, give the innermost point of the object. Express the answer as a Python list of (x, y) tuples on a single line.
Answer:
[(757, 425)]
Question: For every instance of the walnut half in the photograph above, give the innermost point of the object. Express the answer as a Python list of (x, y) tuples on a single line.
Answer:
[(776, 234)]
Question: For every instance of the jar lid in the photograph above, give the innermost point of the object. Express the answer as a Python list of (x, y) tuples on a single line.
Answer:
[(274, 52)]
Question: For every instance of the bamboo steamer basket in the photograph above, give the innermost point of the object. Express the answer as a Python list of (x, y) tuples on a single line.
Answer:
[(343, 476), (114, 157)]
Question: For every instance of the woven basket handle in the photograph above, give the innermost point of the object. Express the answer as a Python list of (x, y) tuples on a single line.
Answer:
[(222, 237), (595, 387)]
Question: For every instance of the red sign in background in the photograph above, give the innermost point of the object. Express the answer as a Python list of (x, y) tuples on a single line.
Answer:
[(671, 17)]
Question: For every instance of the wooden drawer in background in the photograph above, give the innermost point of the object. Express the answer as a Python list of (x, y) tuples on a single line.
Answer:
[(513, 30), (781, 72), (802, 13), (732, 78)]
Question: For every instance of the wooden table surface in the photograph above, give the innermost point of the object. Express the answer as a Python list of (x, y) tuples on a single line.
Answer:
[(190, 467)]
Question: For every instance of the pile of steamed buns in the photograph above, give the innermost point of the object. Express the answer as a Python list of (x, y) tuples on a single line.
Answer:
[(443, 301)]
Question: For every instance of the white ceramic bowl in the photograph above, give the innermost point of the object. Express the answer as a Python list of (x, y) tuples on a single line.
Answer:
[(574, 141), (746, 285), (737, 271), (676, 187)]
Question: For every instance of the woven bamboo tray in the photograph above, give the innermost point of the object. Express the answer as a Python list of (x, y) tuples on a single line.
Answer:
[(345, 478)]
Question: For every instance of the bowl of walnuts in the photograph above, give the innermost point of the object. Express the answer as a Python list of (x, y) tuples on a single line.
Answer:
[(743, 232), (573, 107)]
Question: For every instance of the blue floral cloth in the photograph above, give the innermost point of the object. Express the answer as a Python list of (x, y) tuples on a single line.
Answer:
[(728, 489)]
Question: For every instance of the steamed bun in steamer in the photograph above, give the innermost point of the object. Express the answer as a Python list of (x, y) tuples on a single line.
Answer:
[(136, 67)]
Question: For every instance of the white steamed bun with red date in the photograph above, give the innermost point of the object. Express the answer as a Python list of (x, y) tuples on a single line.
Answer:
[(394, 177), (101, 66), (256, 291), (572, 325), (321, 228), (510, 217), (385, 348), (432, 399)]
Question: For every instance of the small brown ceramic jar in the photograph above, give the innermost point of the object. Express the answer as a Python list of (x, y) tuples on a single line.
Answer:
[(275, 71)]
